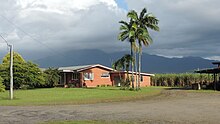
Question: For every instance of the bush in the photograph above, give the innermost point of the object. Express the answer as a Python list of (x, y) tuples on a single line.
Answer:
[(71, 85), (103, 85), (51, 76), (108, 85), (26, 87), (97, 86), (2, 86)]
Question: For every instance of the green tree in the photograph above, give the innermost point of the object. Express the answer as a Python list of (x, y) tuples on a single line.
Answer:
[(33, 76), (52, 77), (143, 22), (24, 73), (2, 86), (128, 33)]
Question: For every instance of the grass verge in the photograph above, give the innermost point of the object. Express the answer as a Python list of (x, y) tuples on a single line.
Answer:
[(65, 96)]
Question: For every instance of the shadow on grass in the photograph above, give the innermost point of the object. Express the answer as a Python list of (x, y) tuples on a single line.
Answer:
[(7, 98), (179, 88), (103, 88)]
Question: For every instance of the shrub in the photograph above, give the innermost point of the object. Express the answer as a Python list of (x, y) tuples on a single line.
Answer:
[(108, 85), (2, 86), (71, 85), (103, 85), (97, 86), (26, 87)]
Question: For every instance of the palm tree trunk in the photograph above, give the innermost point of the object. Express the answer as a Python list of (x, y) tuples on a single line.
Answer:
[(136, 76), (139, 65), (132, 67)]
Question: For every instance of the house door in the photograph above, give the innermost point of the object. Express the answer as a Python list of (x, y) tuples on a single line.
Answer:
[(117, 81)]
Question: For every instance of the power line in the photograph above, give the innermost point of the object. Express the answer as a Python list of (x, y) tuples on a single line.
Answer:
[(43, 44), (4, 40), (11, 67)]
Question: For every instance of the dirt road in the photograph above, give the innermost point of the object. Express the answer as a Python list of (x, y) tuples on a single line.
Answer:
[(172, 106)]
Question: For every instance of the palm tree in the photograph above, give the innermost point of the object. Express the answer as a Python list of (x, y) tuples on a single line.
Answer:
[(123, 64), (144, 21), (128, 33)]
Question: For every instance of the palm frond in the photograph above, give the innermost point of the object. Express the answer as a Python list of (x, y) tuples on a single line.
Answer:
[(132, 15), (123, 35), (124, 22), (143, 12)]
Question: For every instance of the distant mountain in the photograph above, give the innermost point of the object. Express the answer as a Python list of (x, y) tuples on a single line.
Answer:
[(150, 63)]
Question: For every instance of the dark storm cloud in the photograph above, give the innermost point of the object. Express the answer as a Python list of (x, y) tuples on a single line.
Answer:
[(188, 27), (46, 33)]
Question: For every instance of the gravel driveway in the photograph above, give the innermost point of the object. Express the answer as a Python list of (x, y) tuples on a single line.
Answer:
[(172, 106)]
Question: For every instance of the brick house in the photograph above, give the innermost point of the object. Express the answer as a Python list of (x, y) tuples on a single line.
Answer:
[(94, 75)]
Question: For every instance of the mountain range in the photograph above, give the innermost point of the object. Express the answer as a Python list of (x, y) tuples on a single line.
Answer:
[(150, 63)]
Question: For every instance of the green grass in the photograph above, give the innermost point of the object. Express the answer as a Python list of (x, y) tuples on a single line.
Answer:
[(60, 96)]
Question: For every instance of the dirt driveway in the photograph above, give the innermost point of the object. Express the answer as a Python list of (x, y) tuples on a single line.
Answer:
[(172, 106)]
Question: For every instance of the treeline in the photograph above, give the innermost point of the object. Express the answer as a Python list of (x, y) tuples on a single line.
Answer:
[(26, 75), (180, 80)]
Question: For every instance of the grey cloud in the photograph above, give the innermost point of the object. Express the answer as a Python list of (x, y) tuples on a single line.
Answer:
[(53, 33), (188, 27)]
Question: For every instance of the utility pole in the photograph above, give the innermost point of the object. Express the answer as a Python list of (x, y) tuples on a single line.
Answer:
[(11, 71), (11, 66)]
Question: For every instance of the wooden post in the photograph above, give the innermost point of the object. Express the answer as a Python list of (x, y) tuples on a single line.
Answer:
[(214, 81)]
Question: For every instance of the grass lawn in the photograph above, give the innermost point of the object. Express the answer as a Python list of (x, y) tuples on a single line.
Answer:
[(59, 96)]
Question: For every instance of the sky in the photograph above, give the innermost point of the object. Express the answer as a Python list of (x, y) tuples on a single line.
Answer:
[(41, 28)]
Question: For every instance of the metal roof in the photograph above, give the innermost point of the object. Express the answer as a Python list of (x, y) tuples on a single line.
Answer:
[(73, 67), (146, 74), (81, 68), (216, 63), (209, 71)]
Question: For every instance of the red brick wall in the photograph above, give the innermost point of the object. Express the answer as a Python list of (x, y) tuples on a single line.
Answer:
[(98, 80), (144, 83)]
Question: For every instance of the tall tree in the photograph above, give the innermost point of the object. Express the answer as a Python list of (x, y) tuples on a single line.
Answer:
[(25, 73), (128, 33), (144, 21)]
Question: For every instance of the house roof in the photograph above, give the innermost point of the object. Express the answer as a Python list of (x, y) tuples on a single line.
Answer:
[(216, 63), (145, 74), (82, 68), (209, 71)]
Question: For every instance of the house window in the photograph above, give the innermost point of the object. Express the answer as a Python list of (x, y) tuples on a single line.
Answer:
[(88, 76), (75, 76), (105, 74), (142, 79)]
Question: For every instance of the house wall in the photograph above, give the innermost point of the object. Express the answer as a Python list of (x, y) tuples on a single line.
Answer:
[(116, 77), (112, 80), (144, 83), (97, 80)]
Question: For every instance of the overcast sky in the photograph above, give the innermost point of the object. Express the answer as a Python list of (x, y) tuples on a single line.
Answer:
[(40, 28)]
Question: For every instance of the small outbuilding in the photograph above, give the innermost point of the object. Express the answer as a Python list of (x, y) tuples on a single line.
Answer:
[(215, 72)]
